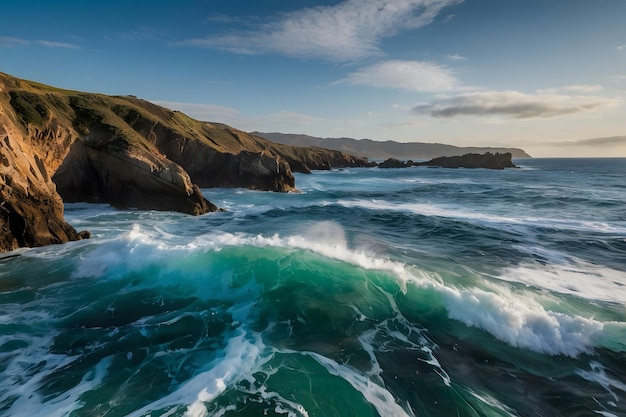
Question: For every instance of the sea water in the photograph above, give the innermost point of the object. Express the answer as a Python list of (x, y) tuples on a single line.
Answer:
[(372, 292)]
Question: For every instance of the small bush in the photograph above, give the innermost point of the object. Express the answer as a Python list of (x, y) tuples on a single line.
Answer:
[(30, 107)]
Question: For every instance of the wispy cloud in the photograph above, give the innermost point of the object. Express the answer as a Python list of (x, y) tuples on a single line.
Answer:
[(285, 118), (223, 18), (9, 42), (580, 89), (140, 33), (233, 117), (405, 75), (405, 125), (513, 104), (622, 47), (51, 44), (457, 57), (348, 31), (14, 42)]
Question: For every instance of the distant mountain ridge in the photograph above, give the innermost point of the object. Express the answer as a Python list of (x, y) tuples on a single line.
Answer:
[(389, 149)]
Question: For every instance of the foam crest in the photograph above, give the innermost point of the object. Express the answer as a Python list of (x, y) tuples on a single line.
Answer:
[(134, 250), (325, 238), (521, 321)]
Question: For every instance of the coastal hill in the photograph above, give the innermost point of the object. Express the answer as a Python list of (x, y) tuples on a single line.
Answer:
[(388, 149), (61, 145)]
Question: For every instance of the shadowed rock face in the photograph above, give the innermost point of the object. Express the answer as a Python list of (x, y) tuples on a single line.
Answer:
[(125, 179)]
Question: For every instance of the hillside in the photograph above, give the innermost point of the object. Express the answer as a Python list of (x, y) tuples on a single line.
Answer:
[(389, 149)]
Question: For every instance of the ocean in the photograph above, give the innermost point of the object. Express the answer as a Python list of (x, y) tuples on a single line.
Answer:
[(372, 292)]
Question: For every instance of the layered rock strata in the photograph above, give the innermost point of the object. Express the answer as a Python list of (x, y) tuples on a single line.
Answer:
[(31, 212)]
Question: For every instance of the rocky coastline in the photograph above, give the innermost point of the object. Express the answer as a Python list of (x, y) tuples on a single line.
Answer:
[(61, 146)]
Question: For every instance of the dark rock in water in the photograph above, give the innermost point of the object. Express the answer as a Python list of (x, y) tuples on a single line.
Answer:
[(394, 163), (473, 160), (84, 234)]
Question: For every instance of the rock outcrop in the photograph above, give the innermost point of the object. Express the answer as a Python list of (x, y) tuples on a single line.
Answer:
[(395, 163), (487, 160), (473, 160)]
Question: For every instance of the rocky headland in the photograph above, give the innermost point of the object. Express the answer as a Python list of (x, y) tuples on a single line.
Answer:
[(60, 145)]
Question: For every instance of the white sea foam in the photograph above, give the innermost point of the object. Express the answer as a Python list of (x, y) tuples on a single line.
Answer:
[(521, 321), (428, 209), (378, 396), (240, 359), (29, 401), (492, 402), (132, 251), (575, 277), (598, 374)]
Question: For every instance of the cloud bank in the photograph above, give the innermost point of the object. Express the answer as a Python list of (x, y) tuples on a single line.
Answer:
[(513, 105), (348, 31), (405, 75), (607, 141)]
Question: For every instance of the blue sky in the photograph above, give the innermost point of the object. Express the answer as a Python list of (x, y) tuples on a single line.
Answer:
[(548, 76)]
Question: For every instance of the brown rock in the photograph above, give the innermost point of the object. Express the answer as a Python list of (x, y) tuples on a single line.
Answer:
[(31, 212)]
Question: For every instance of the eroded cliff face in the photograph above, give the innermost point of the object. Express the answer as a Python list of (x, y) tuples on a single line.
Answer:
[(31, 212)]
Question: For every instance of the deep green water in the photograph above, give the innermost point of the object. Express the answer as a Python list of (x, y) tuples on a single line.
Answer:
[(401, 292)]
